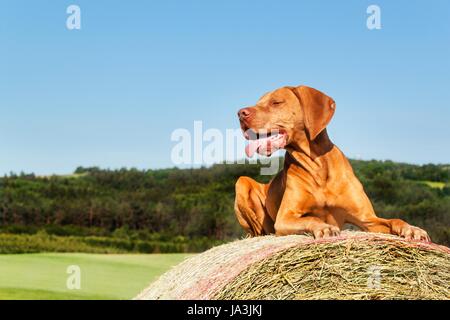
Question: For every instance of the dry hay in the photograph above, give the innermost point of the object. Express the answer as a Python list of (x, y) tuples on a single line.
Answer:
[(355, 265)]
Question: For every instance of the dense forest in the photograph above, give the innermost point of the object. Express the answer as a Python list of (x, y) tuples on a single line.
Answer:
[(166, 210)]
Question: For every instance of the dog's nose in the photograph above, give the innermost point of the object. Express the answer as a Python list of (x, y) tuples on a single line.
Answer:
[(244, 113)]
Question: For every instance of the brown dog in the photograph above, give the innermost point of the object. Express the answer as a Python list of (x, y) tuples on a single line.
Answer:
[(317, 191)]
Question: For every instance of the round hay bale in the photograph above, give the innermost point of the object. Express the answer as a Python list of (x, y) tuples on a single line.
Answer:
[(355, 265)]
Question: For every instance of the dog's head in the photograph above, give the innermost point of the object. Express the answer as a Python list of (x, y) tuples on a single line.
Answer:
[(284, 116)]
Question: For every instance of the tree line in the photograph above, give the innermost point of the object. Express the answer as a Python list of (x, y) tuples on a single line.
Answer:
[(197, 203)]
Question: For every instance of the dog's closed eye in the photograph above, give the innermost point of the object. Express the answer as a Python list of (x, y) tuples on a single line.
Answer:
[(276, 102)]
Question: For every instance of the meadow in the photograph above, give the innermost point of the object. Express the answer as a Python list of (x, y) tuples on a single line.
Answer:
[(103, 276), (125, 227)]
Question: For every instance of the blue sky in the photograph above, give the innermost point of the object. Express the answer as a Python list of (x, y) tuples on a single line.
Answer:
[(112, 93)]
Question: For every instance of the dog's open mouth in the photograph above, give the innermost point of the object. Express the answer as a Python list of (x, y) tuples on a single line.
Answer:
[(264, 142)]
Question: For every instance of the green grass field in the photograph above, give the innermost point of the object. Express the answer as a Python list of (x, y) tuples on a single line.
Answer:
[(113, 276), (434, 184)]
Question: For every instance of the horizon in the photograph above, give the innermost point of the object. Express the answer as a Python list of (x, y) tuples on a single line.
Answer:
[(207, 166), (112, 93)]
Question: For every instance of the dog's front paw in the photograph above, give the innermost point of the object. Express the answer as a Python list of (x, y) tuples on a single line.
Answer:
[(325, 231), (410, 232)]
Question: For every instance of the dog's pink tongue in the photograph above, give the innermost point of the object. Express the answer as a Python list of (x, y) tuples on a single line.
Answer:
[(253, 146), (265, 146)]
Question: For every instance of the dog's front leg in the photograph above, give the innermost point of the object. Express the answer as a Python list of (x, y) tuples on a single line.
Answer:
[(361, 213), (293, 223), (393, 226), (294, 217)]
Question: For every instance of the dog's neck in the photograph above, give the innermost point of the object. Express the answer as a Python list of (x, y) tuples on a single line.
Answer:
[(310, 155), (312, 148)]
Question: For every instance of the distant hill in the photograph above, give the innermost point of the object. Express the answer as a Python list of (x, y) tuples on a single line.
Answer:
[(168, 204)]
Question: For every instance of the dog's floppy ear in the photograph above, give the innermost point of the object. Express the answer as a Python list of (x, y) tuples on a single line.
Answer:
[(318, 109)]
